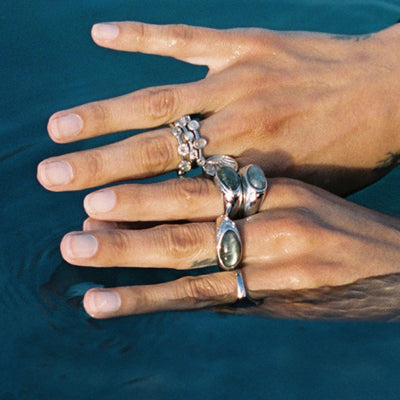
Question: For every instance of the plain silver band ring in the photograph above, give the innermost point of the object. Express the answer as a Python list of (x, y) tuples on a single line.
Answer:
[(241, 290)]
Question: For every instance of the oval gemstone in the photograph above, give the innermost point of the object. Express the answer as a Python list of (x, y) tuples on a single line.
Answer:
[(231, 249), (185, 166), (189, 136), (176, 131), (193, 125), (200, 143), (183, 149), (256, 177), (229, 178)]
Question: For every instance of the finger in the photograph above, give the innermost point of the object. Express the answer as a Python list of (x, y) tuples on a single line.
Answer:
[(91, 224), (193, 199), (279, 235), (166, 246), (156, 106), (138, 157), (184, 294), (146, 108), (203, 46)]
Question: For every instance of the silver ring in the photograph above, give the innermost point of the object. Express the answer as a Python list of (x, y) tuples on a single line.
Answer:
[(241, 290), (254, 186), (214, 163), (190, 144), (229, 183), (229, 244)]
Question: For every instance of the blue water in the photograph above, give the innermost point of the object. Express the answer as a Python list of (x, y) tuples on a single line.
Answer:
[(49, 348)]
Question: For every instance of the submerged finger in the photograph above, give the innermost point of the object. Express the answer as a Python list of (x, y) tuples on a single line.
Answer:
[(166, 246), (184, 294)]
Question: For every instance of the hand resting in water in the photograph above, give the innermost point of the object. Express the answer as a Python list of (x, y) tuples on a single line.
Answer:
[(309, 106), (316, 107), (302, 238)]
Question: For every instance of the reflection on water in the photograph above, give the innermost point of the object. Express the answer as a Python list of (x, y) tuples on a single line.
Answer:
[(50, 347)]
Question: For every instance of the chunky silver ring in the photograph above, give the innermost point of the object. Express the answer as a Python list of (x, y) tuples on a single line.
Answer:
[(214, 163), (229, 244), (229, 183), (241, 290), (190, 144), (254, 187)]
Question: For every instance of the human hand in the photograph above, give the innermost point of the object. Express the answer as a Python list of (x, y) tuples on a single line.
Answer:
[(303, 238), (310, 106)]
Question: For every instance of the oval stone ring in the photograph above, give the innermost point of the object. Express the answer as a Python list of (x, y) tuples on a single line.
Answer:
[(254, 187), (229, 244), (229, 183)]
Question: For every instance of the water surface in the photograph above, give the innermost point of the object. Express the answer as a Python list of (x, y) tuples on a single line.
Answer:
[(49, 347)]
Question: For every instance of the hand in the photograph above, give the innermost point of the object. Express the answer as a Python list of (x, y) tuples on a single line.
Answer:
[(318, 107), (303, 238)]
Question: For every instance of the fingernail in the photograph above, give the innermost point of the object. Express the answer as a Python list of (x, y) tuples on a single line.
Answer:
[(101, 301), (105, 31), (100, 202), (55, 173), (66, 126), (80, 245)]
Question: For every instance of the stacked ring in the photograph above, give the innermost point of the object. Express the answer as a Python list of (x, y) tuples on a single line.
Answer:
[(190, 144), (242, 193)]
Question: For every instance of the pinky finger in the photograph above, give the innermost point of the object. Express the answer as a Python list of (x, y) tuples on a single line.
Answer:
[(188, 293)]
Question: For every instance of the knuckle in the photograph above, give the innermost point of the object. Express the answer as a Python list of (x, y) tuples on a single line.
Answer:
[(182, 242), (157, 153), (99, 113), (303, 276), (289, 224), (120, 243), (201, 289), (179, 35), (141, 30), (295, 231), (309, 275), (95, 165), (161, 103), (190, 191), (297, 190)]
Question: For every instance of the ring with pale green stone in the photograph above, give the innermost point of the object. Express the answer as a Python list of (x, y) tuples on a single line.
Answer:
[(229, 244), (190, 144), (229, 183), (254, 187), (241, 289)]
